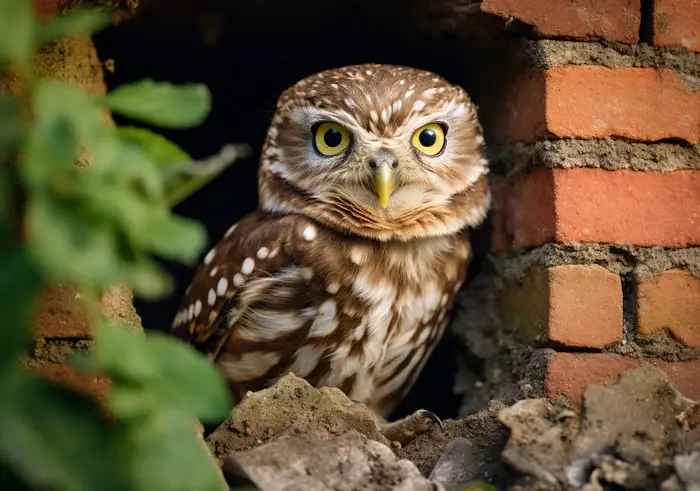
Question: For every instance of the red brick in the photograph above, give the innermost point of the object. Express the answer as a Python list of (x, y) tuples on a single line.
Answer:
[(530, 209), (499, 241), (597, 102), (677, 23), (670, 301), (617, 20), (595, 205), (574, 306), (568, 374), (45, 10)]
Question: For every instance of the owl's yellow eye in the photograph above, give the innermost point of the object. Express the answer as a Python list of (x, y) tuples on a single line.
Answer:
[(331, 139), (429, 139)]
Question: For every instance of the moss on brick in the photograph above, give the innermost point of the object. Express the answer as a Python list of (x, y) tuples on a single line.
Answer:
[(525, 307)]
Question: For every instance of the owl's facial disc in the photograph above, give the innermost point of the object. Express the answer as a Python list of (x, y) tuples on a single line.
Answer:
[(365, 149)]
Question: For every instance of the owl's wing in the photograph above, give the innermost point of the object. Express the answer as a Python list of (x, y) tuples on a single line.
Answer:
[(249, 281)]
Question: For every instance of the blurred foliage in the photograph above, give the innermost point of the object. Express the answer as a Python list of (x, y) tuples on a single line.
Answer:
[(476, 486), (96, 226)]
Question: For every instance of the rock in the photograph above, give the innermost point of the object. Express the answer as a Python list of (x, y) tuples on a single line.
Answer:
[(540, 435), (630, 430), (628, 435), (687, 468), (342, 463), (460, 464), (292, 405)]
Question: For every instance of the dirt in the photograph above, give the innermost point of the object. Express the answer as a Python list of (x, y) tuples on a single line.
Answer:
[(603, 154), (482, 429)]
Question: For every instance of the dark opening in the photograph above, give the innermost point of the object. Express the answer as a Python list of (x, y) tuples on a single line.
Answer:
[(256, 54)]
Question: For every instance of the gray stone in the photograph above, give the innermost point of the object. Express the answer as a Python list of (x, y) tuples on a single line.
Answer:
[(343, 463), (457, 463), (688, 470)]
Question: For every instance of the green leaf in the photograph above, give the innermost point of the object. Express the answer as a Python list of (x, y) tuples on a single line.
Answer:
[(55, 439), (159, 371), (168, 456), (476, 486), (69, 245), (161, 150), (65, 117), (76, 21), (147, 279), (180, 187), (16, 31), (131, 168), (161, 103), (20, 283), (187, 180), (11, 124), (176, 238), (148, 225)]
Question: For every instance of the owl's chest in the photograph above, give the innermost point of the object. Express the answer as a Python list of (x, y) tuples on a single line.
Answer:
[(406, 286), (405, 291)]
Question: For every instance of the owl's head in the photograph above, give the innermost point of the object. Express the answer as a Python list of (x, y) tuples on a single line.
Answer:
[(380, 151)]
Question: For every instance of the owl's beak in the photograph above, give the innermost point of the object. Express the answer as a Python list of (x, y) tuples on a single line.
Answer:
[(384, 183)]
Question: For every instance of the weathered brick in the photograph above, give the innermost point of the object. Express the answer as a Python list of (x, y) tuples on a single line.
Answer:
[(61, 314), (568, 374), (670, 301), (677, 23), (587, 102), (529, 210), (574, 306), (617, 20), (595, 205), (93, 386), (499, 241), (45, 10)]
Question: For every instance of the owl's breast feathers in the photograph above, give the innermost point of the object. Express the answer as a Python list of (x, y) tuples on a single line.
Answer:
[(282, 294)]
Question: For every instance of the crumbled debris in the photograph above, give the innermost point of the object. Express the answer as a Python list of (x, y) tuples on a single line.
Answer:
[(627, 436), (638, 433)]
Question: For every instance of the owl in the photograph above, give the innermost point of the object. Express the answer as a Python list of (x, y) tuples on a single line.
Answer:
[(345, 275)]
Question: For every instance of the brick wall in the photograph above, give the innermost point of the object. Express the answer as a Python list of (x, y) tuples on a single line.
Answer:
[(596, 186), (61, 327)]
